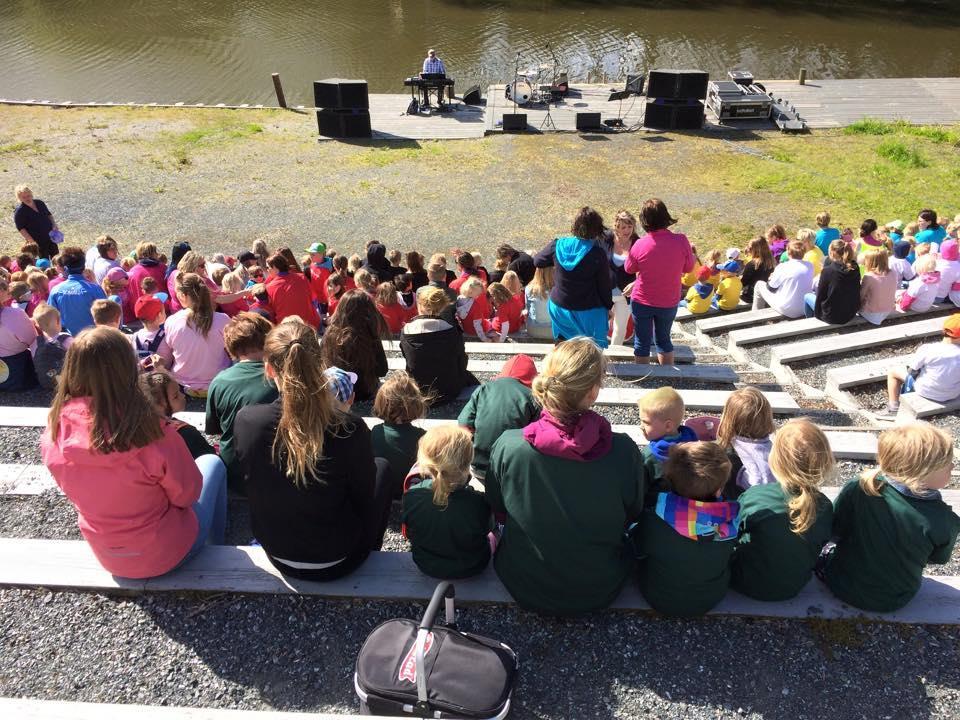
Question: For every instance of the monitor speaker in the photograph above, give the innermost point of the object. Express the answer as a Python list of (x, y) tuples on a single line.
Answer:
[(662, 114), (339, 93), (514, 122), (678, 84), (472, 95), (344, 123), (635, 84), (588, 121)]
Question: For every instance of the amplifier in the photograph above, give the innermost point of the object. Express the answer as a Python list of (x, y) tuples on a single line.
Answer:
[(729, 100)]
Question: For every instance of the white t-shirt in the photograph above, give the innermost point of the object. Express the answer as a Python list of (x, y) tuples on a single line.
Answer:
[(903, 269), (939, 366), (949, 273), (791, 280)]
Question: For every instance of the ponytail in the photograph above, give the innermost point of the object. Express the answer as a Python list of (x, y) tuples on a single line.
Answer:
[(200, 310), (801, 459), (307, 410), (871, 482)]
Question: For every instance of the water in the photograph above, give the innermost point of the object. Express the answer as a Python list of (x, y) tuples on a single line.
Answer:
[(224, 51)]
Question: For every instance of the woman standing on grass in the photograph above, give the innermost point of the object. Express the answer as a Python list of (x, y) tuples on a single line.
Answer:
[(143, 504), (319, 502), (581, 298), (35, 222), (658, 259)]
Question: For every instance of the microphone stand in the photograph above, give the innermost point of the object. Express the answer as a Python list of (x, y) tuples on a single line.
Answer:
[(516, 78), (548, 118)]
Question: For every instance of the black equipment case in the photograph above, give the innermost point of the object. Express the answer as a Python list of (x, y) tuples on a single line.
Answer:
[(432, 670)]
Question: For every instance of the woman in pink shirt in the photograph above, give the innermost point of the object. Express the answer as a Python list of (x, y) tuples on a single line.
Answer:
[(195, 336), (659, 258), (17, 334), (148, 265), (143, 504)]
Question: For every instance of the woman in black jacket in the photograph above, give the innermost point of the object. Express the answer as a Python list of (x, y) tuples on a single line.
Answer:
[(434, 349), (838, 293), (581, 298), (319, 502), (354, 342), (758, 268)]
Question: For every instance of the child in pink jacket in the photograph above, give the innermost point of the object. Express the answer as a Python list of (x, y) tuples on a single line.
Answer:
[(143, 504)]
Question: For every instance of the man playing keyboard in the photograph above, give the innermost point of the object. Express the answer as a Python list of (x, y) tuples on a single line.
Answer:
[(432, 65)]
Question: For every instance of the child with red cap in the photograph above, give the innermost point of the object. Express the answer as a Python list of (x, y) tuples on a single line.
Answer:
[(150, 341), (504, 403), (934, 372), (700, 297)]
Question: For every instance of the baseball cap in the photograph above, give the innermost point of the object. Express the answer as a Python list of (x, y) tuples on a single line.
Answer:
[(731, 267), (949, 250), (317, 247), (895, 225), (704, 273), (951, 328), (147, 307), (902, 249), (43, 264), (115, 274), (341, 382), (733, 254)]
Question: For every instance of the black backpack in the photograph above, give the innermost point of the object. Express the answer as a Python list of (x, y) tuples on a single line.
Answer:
[(425, 670)]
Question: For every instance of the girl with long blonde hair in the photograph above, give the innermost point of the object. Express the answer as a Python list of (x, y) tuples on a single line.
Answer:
[(143, 504), (893, 521), (785, 524), (319, 502), (536, 312), (195, 336)]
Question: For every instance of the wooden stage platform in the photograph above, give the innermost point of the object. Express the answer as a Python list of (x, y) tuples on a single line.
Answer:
[(822, 103)]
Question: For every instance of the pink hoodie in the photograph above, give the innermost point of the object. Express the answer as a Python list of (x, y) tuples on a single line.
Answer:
[(134, 508), (921, 292), (589, 437)]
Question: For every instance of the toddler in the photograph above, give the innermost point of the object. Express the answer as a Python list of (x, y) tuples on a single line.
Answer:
[(106, 312), (232, 283), (785, 524), (813, 254), (893, 522), (395, 314), (115, 286), (167, 398), (504, 403), (900, 265), (878, 287), (730, 287), (934, 372), (922, 291), (341, 383), (948, 266), (746, 428), (661, 420), (398, 403), (447, 522), (472, 307), (51, 347), (687, 280), (686, 539), (700, 297), (150, 341), (508, 313)]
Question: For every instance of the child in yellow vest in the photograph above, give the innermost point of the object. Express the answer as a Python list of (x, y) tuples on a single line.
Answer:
[(730, 287), (700, 297)]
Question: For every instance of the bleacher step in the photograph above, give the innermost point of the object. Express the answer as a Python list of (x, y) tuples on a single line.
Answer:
[(682, 353), (71, 565), (28, 709), (726, 323)]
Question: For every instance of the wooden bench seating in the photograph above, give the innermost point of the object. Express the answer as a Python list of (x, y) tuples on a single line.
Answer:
[(912, 407), (684, 314), (863, 373), (723, 374), (29, 709), (682, 353), (726, 323), (70, 565), (782, 356)]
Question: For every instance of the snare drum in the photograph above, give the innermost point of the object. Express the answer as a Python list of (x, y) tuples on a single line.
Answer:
[(520, 91)]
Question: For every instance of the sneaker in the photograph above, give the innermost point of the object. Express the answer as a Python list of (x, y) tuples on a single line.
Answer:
[(888, 412)]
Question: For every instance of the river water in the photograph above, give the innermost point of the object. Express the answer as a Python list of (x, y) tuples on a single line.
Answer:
[(224, 50)]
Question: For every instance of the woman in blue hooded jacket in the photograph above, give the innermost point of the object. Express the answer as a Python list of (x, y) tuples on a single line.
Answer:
[(581, 298)]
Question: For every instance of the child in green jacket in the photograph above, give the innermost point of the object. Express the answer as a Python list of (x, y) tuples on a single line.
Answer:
[(686, 539), (446, 521), (398, 403), (661, 420), (893, 522), (785, 524)]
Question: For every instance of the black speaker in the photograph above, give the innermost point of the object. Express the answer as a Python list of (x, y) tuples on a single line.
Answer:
[(472, 95), (514, 122), (663, 114), (635, 84), (344, 123), (339, 93), (678, 84), (588, 121)]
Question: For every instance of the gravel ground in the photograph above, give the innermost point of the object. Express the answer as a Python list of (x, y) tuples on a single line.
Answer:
[(298, 653), (814, 371)]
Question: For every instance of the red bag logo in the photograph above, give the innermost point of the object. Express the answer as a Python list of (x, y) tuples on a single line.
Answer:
[(408, 668)]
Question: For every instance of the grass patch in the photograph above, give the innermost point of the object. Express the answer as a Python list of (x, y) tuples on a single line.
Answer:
[(870, 126), (34, 146), (897, 152), (184, 144), (934, 133), (379, 157)]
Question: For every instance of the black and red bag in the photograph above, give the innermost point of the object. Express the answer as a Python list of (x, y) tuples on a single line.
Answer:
[(433, 670)]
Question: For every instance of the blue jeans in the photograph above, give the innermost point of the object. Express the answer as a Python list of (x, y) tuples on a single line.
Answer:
[(809, 303), (211, 507), (649, 321)]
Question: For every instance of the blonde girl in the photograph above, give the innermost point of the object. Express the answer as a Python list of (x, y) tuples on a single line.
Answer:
[(745, 432), (512, 282), (893, 522), (319, 501), (473, 308), (399, 402), (446, 521), (195, 336), (574, 562), (154, 505), (921, 292), (624, 236), (537, 296), (878, 287), (366, 281), (785, 524), (507, 315)]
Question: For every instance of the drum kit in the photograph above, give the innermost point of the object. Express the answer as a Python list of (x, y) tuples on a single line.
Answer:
[(529, 86)]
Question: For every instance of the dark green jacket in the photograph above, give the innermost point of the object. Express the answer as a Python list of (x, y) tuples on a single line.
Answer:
[(397, 444), (771, 562), (884, 543), (236, 387), (448, 542), (497, 405), (563, 550)]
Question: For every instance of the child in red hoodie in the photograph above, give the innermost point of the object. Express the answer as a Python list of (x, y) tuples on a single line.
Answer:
[(473, 308), (508, 314), (393, 311), (504, 403)]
